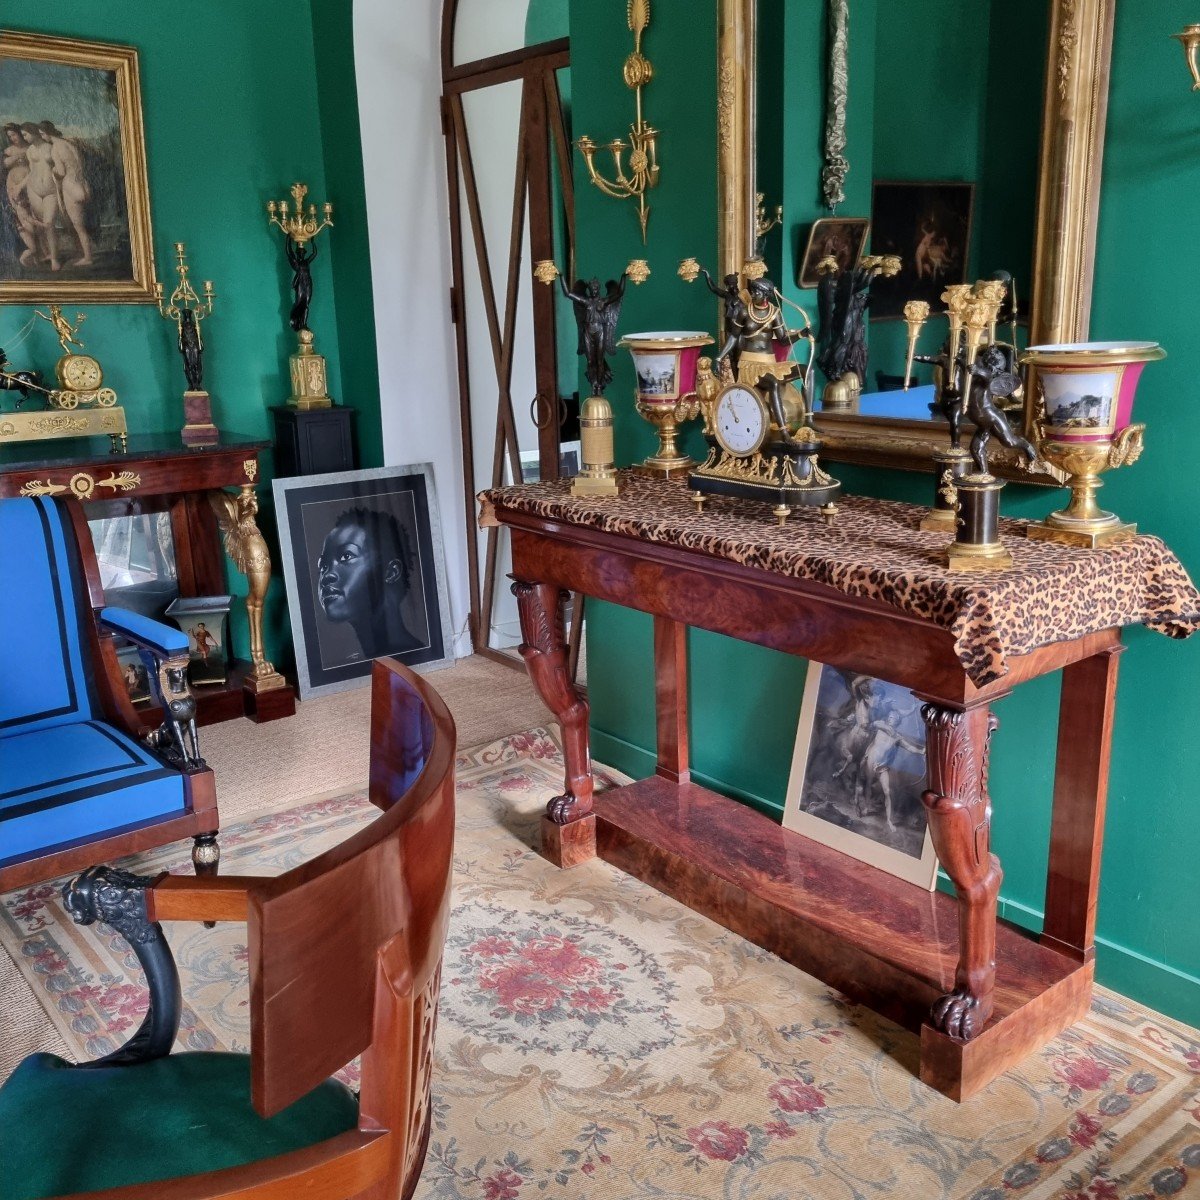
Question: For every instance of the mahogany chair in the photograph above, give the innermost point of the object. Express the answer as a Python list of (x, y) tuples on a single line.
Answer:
[(345, 959), (81, 780)]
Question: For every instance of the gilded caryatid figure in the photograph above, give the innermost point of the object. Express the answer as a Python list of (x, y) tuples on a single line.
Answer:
[(246, 546)]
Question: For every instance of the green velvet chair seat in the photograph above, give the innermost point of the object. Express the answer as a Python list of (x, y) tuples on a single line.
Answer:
[(64, 1130)]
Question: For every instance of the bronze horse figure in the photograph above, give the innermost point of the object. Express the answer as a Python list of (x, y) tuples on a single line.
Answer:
[(19, 381)]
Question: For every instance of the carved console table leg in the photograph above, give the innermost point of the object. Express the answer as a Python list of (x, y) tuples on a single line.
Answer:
[(960, 819), (245, 544), (568, 830)]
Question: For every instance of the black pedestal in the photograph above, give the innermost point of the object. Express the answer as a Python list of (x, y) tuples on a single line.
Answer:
[(315, 442)]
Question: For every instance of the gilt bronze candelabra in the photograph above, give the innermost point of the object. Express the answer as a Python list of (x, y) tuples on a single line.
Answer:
[(300, 226), (188, 310)]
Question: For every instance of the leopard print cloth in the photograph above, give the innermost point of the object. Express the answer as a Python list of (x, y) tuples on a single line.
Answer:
[(874, 550)]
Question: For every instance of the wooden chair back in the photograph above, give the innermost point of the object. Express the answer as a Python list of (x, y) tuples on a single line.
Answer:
[(369, 914)]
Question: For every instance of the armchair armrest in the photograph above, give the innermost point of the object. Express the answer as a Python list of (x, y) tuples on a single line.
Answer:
[(161, 640), (164, 651), (200, 898)]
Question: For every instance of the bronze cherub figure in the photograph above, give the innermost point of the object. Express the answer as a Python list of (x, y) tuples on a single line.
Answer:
[(990, 382)]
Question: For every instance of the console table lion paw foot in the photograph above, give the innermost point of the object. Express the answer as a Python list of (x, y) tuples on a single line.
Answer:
[(869, 595)]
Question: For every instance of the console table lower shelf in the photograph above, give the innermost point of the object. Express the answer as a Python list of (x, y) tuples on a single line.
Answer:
[(881, 941)]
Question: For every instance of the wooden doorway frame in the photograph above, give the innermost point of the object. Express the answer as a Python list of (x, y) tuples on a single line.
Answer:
[(543, 144)]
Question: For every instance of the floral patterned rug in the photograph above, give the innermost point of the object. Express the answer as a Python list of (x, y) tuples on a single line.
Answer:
[(598, 1041)]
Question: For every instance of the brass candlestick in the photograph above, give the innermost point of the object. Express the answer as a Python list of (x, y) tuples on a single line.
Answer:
[(187, 310), (300, 226)]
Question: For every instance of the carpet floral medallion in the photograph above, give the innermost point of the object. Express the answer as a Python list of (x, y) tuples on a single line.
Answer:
[(598, 1041)]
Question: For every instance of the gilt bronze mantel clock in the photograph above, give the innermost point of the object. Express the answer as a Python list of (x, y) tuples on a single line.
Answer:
[(758, 425)]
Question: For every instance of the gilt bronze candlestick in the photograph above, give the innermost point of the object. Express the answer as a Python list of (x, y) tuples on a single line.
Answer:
[(187, 310), (300, 228)]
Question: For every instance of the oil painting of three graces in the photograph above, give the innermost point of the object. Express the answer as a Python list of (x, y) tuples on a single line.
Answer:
[(63, 203)]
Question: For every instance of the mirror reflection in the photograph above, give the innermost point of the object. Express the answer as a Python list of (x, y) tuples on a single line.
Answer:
[(942, 129)]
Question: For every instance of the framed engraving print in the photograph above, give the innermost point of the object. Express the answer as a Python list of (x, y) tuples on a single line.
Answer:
[(75, 204), (858, 772), (365, 573)]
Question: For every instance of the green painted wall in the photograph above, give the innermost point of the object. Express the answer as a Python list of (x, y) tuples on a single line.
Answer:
[(348, 246), (745, 700), (232, 118)]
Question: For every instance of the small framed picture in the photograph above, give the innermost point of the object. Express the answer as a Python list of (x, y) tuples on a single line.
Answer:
[(858, 772), (928, 226), (365, 571), (134, 675), (205, 620), (840, 238)]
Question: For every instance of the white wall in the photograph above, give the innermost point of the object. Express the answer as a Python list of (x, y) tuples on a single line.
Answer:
[(397, 61), (398, 67)]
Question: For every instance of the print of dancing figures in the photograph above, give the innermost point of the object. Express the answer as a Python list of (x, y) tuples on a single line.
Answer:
[(74, 202)]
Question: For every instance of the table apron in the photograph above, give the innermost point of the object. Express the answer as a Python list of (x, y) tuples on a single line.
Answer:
[(835, 630)]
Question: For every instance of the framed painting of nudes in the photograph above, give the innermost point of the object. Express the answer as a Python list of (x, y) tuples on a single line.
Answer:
[(74, 200)]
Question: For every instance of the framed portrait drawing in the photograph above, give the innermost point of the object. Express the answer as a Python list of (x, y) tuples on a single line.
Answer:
[(75, 204), (840, 238), (365, 572), (858, 772), (928, 225)]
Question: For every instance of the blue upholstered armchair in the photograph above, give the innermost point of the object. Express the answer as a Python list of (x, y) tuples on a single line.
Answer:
[(80, 780)]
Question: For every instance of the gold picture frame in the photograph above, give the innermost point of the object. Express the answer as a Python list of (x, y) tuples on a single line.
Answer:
[(1074, 110), (83, 202), (855, 230)]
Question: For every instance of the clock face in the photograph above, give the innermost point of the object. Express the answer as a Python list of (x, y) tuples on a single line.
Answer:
[(740, 420), (80, 372)]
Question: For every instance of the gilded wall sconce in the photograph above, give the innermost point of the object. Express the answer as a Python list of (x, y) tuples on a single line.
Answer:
[(1190, 40), (643, 138)]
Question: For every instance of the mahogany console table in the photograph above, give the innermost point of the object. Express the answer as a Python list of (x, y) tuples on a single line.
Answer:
[(868, 594), (155, 472)]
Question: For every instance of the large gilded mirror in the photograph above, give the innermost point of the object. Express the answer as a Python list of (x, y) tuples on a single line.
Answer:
[(973, 134)]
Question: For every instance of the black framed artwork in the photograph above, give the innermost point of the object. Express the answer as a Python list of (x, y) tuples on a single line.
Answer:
[(927, 225), (365, 573)]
